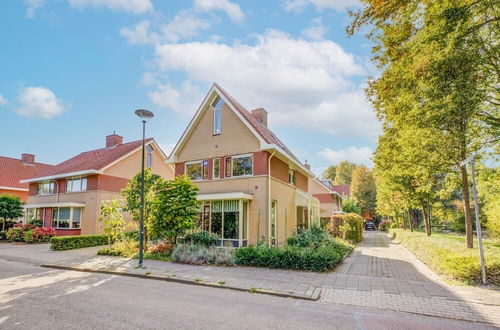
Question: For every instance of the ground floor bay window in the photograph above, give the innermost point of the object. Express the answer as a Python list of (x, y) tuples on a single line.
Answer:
[(226, 218), (66, 217)]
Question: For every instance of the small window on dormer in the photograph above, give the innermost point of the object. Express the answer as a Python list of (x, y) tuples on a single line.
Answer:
[(217, 106)]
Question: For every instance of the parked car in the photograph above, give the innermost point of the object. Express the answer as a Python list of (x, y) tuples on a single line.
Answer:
[(369, 225)]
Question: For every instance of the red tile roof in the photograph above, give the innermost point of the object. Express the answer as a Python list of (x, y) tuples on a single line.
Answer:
[(14, 170), (263, 131), (92, 160), (343, 189)]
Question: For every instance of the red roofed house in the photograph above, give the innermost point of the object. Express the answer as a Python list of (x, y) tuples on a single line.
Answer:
[(343, 189), (68, 196), (251, 186), (330, 200), (12, 171)]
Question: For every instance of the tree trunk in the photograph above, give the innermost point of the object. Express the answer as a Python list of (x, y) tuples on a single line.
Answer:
[(468, 218), (427, 221), (410, 218), (3, 225)]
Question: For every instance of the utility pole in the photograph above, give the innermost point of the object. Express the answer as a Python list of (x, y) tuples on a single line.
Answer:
[(470, 160)]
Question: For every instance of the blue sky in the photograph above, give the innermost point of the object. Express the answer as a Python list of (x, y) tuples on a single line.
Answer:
[(73, 71)]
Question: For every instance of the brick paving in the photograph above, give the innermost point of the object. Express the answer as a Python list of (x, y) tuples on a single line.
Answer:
[(379, 274)]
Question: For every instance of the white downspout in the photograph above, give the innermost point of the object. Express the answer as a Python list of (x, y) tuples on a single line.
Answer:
[(269, 199)]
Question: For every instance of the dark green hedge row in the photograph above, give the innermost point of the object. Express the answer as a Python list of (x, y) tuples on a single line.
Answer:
[(321, 259), (77, 242)]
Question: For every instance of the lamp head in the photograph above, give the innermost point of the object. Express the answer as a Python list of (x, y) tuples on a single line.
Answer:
[(144, 114)]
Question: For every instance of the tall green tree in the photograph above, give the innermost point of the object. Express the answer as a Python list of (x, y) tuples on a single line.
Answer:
[(433, 56), (175, 208), (132, 197), (343, 172), (330, 173), (112, 219), (10, 208), (363, 189)]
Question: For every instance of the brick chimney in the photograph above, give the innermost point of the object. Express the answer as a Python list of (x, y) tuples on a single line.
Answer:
[(261, 115), (308, 166), (28, 159), (113, 140)]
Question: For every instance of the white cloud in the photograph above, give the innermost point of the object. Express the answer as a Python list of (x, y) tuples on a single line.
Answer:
[(316, 31), (338, 5), (128, 6), (39, 102), (361, 155), (182, 101), (303, 84), (183, 26), (3, 100), (32, 6), (231, 9)]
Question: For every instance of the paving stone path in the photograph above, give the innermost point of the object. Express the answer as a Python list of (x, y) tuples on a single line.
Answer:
[(382, 274)]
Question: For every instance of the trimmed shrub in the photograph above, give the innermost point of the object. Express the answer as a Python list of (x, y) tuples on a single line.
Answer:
[(203, 238), (77, 242), (36, 222), (202, 255), (322, 259), (165, 248), (348, 226)]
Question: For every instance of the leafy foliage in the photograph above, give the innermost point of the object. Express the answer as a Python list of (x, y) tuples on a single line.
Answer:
[(112, 219), (203, 238), (202, 255), (175, 208), (347, 226), (363, 189), (351, 205), (10, 208)]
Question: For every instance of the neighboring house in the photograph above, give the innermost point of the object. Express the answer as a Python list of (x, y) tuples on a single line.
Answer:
[(251, 186), (331, 201), (13, 170), (68, 196), (342, 189)]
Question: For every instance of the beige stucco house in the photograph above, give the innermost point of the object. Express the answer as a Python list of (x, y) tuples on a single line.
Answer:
[(330, 200), (251, 186), (68, 196)]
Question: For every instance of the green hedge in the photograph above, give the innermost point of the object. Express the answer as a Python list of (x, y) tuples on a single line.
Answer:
[(448, 255), (77, 242), (348, 226), (321, 259)]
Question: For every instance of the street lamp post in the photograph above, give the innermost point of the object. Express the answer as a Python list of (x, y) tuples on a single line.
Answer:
[(470, 160), (145, 115)]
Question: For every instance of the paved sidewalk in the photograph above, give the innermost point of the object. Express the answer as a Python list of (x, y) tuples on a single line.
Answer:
[(379, 274)]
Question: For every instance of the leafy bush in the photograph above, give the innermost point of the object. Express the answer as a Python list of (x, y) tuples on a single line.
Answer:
[(351, 205), (36, 222), (202, 255), (76, 242), (447, 254), (165, 248), (3, 235), (348, 226), (39, 235), (384, 225), (16, 233), (131, 235), (203, 238), (321, 259)]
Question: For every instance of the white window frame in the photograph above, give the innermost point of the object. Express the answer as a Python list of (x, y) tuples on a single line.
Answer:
[(215, 111), (201, 165), (213, 168), (291, 174), (50, 183), (149, 156), (232, 166), (81, 178), (71, 208)]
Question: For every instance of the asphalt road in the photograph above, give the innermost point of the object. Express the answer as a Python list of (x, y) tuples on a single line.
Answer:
[(32, 297)]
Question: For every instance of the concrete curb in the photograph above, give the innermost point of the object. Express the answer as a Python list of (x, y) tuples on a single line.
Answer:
[(313, 297)]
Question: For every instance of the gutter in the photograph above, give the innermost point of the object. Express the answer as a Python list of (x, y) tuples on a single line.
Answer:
[(62, 175), (269, 200)]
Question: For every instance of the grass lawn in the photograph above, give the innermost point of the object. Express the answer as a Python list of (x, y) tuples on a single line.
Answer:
[(447, 255)]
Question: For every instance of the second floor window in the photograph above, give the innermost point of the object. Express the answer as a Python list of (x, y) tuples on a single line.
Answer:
[(216, 174), (76, 184), (46, 188), (217, 106), (242, 165), (197, 170)]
